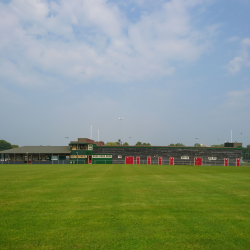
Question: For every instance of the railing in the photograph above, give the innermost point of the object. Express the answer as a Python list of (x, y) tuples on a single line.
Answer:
[(180, 162), (34, 162), (153, 162)]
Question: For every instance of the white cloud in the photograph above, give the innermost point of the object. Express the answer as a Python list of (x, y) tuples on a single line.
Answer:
[(234, 66), (233, 39), (49, 42), (246, 41), (232, 113), (242, 60), (237, 99)]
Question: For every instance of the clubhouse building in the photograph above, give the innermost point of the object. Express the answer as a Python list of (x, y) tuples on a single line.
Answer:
[(87, 151)]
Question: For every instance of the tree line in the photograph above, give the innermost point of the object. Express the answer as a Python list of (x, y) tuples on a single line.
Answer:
[(119, 143), (4, 145)]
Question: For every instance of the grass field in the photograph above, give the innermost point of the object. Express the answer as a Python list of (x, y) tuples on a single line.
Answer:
[(124, 207)]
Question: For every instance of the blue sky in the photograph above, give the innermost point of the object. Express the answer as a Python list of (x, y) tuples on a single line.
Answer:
[(174, 70)]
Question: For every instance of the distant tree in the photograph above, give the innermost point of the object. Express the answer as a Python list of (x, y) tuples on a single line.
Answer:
[(4, 145), (248, 146), (112, 144), (197, 144), (179, 145), (14, 146), (142, 144), (125, 144), (171, 145)]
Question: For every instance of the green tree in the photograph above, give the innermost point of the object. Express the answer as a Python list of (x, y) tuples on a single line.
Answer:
[(112, 144), (125, 144), (248, 146), (179, 145), (197, 144), (142, 144), (14, 146), (4, 145), (171, 145)]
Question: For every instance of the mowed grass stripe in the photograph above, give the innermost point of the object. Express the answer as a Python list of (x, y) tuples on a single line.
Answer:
[(124, 207)]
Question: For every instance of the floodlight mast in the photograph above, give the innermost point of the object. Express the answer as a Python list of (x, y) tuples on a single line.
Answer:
[(120, 130), (197, 138)]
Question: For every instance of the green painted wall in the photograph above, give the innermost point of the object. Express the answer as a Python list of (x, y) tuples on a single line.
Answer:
[(102, 161), (80, 152), (80, 161)]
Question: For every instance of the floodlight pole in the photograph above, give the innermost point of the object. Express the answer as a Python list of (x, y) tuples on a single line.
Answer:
[(120, 130), (197, 138)]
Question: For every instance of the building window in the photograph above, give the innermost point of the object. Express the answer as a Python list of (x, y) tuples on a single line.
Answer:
[(82, 147), (212, 158), (54, 158), (90, 147), (82, 156)]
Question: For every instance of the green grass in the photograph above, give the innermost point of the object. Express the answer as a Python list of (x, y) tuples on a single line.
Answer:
[(124, 207)]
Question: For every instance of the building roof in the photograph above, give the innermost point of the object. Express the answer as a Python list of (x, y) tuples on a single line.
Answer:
[(38, 149), (83, 140), (87, 141)]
